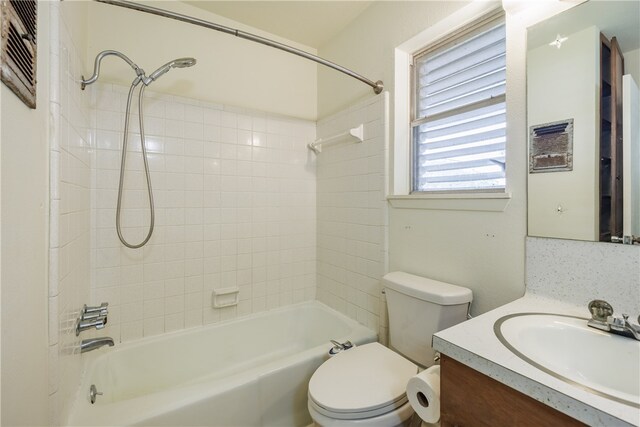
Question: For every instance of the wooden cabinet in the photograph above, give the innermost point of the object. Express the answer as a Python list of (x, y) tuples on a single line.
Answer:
[(610, 175), (472, 399)]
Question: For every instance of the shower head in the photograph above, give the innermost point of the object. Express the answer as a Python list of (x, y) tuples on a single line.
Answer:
[(182, 62), (176, 63)]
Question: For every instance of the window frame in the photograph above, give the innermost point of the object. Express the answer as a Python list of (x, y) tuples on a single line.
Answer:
[(475, 27)]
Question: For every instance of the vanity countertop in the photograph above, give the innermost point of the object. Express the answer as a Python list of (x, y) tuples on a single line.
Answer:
[(475, 344)]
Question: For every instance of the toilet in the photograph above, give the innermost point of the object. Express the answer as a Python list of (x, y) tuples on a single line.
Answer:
[(365, 385)]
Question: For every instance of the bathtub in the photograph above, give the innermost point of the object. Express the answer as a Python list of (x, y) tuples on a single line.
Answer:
[(252, 371)]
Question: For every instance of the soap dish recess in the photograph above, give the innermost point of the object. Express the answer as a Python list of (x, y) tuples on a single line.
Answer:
[(225, 297)]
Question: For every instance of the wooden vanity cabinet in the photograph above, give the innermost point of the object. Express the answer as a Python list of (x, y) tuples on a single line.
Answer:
[(469, 398)]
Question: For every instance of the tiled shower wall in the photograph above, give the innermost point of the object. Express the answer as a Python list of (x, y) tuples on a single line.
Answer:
[(352, 214), (69, 228), (235, 206)]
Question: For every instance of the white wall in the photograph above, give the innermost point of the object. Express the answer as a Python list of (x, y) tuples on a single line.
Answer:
[(234, 193), (24, 154), (352, 214), (631, 156), (481, 250), (632, 63), (70, 183), (564, 84), (229, 71), (367, 47)]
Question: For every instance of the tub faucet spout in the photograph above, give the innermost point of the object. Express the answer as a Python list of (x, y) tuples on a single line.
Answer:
[(95, 343)]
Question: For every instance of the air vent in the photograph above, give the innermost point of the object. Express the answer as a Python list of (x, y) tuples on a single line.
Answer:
[(19, 49), (551, 147)]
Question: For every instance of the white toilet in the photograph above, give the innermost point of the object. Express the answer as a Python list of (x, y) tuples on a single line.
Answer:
[(365, 386)]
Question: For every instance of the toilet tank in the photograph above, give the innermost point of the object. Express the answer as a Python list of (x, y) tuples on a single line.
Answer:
[(418, 308)]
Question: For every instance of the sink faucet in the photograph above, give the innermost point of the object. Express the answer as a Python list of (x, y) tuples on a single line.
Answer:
[(602, 318), (95, 343)]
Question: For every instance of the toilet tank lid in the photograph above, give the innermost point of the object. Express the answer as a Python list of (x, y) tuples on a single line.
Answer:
[(427, 289)]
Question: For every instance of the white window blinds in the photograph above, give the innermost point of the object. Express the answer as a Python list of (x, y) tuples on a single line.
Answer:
[(459, 113)]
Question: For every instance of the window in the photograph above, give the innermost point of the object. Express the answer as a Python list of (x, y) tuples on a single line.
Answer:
[(458, 118)]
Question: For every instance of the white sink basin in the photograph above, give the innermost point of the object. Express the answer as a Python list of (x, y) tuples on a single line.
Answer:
[(565, 347)]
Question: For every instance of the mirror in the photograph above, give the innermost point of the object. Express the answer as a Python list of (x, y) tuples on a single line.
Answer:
[(583, 71)]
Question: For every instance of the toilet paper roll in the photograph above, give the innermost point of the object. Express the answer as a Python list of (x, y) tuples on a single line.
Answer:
[(423, 392)]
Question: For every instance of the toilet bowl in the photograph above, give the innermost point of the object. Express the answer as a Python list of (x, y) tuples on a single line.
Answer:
[(366, 385)]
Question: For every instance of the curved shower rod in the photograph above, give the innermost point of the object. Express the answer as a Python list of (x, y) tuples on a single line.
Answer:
[(377, 86)]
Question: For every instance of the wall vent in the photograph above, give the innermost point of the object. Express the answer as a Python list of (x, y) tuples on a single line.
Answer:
[(551, 147), (19, 50)]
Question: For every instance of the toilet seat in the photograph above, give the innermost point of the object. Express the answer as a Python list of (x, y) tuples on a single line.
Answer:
[(363, 382)]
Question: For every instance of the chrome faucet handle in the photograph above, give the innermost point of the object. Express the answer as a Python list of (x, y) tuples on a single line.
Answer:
[(622, 326), (93, 315), (601, 315), (98, 323), (102, 307), (342, 346), (600, 310), (616, 322), (338, 347), (633, 330), (602, 318), (94, 312)]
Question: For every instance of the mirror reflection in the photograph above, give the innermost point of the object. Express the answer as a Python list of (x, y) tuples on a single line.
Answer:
[(583, 70)]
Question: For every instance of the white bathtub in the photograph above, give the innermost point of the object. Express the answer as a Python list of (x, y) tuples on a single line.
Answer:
[(252, 371)]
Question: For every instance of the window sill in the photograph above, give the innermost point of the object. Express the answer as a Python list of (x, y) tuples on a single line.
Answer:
[(487, 202)]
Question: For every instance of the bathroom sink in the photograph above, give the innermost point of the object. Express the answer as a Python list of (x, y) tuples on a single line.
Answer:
[(566, 348)]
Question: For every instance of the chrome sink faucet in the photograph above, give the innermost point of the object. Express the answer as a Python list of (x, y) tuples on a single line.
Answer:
[(602, 318)]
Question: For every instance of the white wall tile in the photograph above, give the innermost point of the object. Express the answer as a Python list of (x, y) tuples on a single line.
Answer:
[(209, 212), (352, 215), (70, 219)]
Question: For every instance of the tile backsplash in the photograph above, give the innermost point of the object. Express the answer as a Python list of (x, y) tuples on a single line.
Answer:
[(578, 272), (235, 206)]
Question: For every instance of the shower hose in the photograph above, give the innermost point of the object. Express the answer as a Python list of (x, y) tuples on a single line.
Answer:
[(123, 162)]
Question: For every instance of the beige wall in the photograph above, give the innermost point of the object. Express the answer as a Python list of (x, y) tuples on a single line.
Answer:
[(367, 47), (632, 63), (481, 250), (24, 154), (229, 71)]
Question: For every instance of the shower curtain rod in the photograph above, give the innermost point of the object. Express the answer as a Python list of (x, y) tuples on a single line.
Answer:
[(377, 86)]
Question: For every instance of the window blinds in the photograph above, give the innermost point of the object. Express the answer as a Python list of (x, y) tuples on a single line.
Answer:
[(459, 119)]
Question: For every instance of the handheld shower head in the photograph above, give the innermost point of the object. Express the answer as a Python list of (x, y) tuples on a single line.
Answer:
[(182, 62), (176, 63)]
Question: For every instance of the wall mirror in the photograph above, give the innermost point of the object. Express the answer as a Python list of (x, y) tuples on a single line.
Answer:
[(583, 71)]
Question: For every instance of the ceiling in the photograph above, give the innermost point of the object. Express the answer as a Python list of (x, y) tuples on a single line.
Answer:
[(312, 23)]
